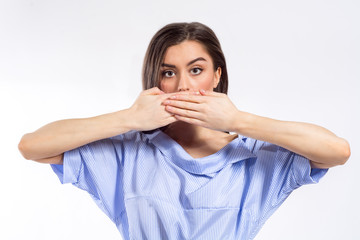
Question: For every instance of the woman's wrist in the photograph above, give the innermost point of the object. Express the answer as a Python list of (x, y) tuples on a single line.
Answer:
[(115, 123), (63, 135), (243, 122), (258, 127)]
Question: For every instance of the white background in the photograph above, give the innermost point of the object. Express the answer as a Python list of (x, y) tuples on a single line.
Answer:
[(288, 60)]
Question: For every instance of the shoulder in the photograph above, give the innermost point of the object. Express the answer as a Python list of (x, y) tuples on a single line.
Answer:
[(131, 136), (255, 145), (267, 152), (134, 138)]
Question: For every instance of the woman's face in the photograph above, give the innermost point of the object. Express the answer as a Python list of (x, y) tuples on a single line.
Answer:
[(188, 67)]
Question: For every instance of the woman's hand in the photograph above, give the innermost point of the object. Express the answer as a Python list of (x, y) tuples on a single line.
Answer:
[(148, 113), (208, 109)]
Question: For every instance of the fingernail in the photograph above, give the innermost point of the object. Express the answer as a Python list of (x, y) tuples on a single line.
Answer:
[(173, 97), (202, 90)]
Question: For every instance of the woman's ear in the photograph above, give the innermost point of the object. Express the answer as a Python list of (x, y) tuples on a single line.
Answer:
[(217, 77)]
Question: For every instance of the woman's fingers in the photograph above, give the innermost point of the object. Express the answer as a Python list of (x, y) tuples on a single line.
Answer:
[(153, 91), (189, 97), (169, 120), (210, 93), (149, 112), (183, 104), (209, 109), (200, 108), (190, 120), (183, 112)]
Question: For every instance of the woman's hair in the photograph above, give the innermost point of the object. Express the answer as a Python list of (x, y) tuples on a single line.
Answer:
[(173, 34)]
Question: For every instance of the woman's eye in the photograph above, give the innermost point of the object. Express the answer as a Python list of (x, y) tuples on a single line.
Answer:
[(196, 71), (168, 73)]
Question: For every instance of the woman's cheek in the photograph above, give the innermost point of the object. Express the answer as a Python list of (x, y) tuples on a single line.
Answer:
[(166, 87), (206, 84)]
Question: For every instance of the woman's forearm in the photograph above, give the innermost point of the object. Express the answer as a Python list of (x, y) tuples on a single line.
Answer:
[(48, 143), (316, 143), (58, 137)]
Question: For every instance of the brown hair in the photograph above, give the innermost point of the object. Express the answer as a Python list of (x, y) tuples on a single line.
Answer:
[(173, 34)]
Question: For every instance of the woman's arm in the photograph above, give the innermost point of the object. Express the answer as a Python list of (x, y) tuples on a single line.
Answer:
[(215, 111), (48, 143), (316, 143), (57, 137)]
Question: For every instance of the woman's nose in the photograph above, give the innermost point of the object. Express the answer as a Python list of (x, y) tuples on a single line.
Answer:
[(183, 84), (183, 89)]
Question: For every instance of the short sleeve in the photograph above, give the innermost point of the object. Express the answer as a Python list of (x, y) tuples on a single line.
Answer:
[(295, 170), (275, 174), (96, 168), (280, 171), (302, 171)]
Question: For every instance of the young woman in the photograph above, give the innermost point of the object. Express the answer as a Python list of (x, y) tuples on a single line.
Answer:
[(168, 167)]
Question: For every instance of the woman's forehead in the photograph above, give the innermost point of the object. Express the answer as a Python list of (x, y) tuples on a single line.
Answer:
[(185, 52)]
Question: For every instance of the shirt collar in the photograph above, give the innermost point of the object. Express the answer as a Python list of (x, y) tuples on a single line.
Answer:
[(234, 151)]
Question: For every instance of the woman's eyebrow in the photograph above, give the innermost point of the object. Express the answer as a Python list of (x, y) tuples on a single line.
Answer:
[(191, 62), (196, 59)]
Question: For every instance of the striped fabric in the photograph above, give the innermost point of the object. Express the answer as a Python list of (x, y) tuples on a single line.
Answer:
[(151, 188)]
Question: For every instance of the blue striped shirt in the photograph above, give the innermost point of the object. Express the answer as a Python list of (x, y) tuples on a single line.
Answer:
[(151, 188)]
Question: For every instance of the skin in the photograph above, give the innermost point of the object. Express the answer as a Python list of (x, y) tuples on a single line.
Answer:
[(208, 112), (195, 116), (187, 69)]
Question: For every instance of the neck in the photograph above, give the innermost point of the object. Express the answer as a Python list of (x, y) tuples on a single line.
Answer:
[(189, 134)]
